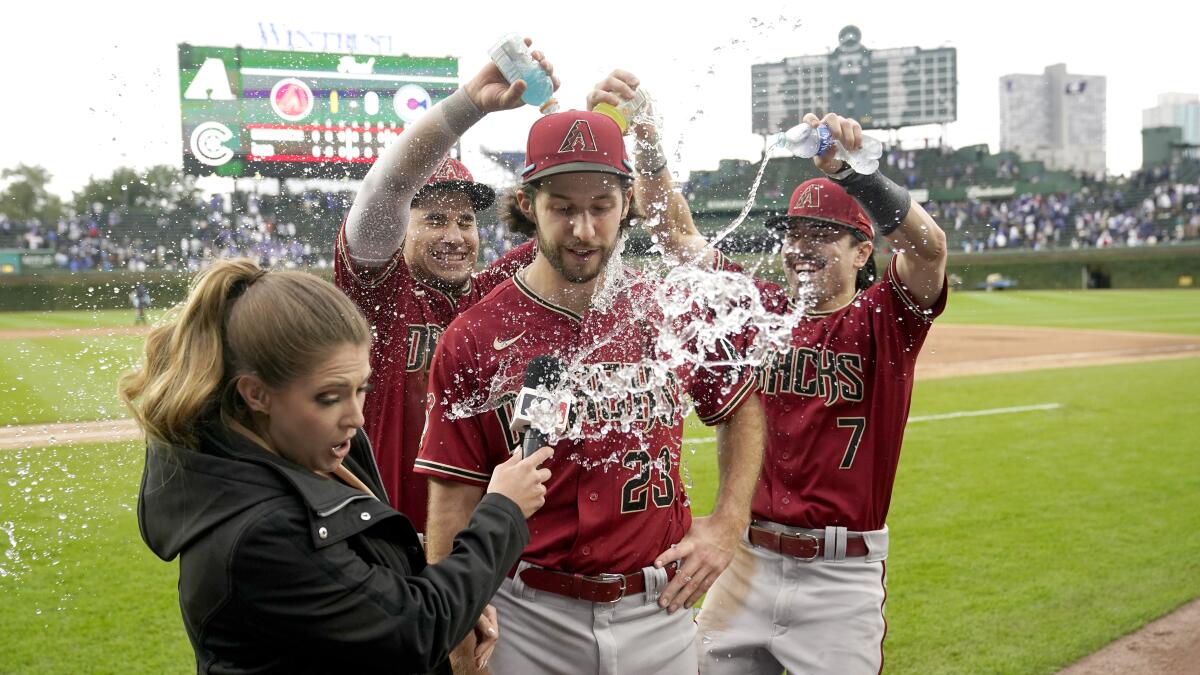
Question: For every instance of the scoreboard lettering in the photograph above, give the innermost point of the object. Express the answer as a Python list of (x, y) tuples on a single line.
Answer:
[(259, 112)]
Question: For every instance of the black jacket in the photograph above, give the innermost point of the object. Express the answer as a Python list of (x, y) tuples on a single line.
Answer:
[(284, 571)]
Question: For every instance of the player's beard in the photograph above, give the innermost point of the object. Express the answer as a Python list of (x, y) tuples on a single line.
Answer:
[(554, 255)]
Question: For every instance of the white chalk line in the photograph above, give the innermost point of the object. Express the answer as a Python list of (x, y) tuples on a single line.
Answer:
[(932, 418)]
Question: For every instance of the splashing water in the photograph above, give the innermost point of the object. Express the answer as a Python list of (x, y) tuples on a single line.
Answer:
[(12, 556), (614, 278), (745, 209), (700, 318), (804, 298), (708, 310)]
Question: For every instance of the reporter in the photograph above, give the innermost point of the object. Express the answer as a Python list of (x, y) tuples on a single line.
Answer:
[(260, 479)]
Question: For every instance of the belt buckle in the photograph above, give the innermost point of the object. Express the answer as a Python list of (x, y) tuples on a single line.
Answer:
[(810, 537), (606, 577)]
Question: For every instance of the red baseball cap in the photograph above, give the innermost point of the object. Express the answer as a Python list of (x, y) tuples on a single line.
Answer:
[(575, 141), (452, 174), (823, 200)]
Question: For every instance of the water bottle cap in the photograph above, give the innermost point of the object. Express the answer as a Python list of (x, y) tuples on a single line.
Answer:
[(614, 113), (826, 137), (508, 46)]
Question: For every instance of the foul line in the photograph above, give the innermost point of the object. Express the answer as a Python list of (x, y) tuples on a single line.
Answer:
[(982, 413), (930, 418)]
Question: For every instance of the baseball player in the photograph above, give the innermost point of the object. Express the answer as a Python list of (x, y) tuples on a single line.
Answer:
[(406, 255), (614, 553), (806, 589)]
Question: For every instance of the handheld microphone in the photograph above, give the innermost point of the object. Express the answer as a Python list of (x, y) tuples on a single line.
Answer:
[(542, 375)]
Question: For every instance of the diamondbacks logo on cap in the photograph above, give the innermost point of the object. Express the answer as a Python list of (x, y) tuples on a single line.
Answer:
[(450, 170), (445, 172), (579, 138), (809, 199)]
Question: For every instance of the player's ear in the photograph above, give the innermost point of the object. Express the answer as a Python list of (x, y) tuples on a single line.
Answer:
[(525, 203), (862, 253)]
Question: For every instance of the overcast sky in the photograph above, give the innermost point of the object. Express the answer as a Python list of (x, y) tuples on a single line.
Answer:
[(88, 87)]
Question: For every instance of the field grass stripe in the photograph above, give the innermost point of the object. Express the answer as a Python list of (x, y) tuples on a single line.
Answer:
[(705, 440)]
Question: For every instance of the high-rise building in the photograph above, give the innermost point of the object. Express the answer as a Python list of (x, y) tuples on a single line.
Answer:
[(1176, 110), (881, 88), (1056, 117)]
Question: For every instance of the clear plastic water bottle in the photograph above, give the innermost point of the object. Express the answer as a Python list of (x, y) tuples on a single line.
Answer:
[(866, 160), (804, 140), (512, 57), (636, 109)]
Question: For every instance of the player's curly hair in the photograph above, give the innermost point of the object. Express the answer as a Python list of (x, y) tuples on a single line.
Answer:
[(512, 216)]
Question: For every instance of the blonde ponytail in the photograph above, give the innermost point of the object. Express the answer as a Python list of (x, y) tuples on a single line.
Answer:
[(237, 319)]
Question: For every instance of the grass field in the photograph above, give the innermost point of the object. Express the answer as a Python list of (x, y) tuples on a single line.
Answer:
[(67, 378), (79, 592), (1160, 311), (1165, 311), (108, 318), (64, 379), (73, 378), (1019, 542)]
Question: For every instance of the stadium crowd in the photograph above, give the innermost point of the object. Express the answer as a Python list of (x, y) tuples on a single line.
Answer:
[(277, 232), (1155, 206), (1094, 217)]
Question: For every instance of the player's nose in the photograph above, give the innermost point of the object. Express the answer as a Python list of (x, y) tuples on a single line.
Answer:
[(452, 235), (583, 227)]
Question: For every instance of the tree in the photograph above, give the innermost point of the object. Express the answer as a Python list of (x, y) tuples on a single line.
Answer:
[(160, 188), (25, 196)]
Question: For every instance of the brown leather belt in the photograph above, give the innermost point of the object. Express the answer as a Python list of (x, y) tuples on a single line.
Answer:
[(803, 546), (593, 588)]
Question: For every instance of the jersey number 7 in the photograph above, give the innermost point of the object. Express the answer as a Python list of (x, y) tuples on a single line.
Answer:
[(857, 425)]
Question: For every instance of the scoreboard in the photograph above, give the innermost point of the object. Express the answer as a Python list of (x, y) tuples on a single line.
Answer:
[(281, 114), (881, 88)]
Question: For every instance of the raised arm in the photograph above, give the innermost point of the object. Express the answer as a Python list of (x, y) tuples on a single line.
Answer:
[(919, 243), (668, 216), (378, 218), (921, 248)]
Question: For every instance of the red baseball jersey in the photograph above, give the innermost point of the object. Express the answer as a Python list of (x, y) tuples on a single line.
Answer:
[(615, 499), (407, 318), (836, 404)]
